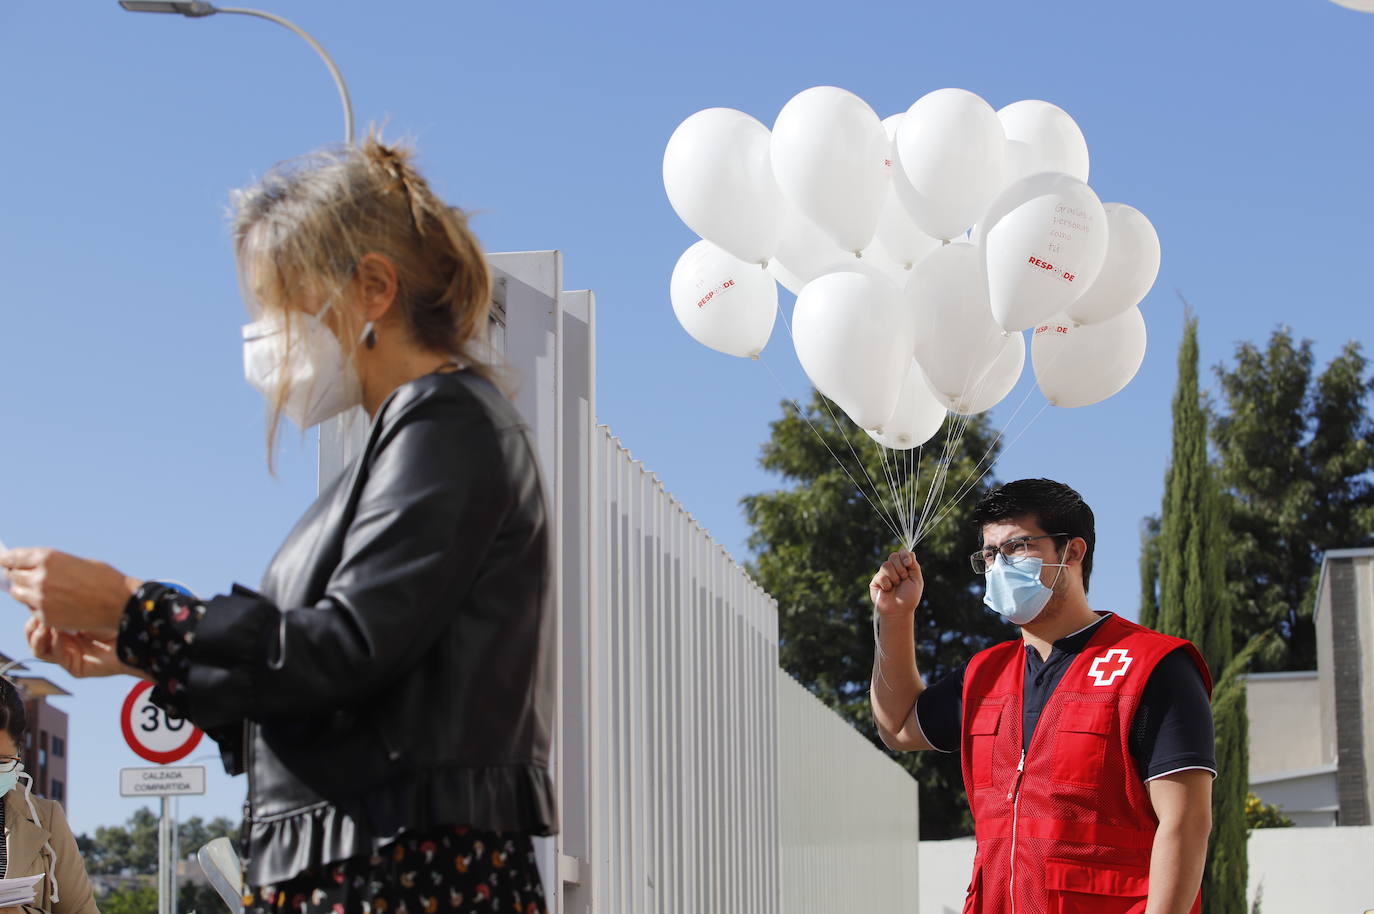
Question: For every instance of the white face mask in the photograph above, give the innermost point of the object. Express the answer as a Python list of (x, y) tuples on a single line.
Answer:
[(322, 384)]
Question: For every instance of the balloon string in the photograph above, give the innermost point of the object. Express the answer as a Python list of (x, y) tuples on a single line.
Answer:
[(958, 495), (892, 469), (825, 401), (888, 518), (966, 486), (795, 405), (969, 393), (1001, 432), (892, 487)]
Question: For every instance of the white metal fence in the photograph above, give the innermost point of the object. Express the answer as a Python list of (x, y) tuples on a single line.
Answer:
[(684, 650), (848, 815), (674, 794)]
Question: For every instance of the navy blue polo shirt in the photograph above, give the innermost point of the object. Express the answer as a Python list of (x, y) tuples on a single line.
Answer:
[(1172, 729)]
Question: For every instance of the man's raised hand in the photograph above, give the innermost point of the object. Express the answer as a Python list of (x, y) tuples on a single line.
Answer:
[(896, 588)]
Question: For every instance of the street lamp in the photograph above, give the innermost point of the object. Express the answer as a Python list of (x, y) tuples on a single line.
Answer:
[(197, 9)]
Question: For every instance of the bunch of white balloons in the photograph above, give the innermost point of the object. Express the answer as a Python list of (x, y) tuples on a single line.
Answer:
[(919, 248)]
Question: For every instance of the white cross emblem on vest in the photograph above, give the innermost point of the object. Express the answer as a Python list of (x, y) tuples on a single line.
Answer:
[(1104, 676)]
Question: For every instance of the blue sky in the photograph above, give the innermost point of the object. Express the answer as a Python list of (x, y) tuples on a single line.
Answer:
[(1242, 130)]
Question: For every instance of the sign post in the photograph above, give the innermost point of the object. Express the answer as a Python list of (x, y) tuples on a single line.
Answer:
[(162, 740)]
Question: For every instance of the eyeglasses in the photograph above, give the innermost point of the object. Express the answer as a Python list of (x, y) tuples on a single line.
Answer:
[(1012, 551), (8, 763)]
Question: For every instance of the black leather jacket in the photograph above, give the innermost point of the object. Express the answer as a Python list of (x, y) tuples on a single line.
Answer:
[(396, 670)]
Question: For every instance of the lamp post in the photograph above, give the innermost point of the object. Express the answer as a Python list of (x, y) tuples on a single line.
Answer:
[(197, 9)]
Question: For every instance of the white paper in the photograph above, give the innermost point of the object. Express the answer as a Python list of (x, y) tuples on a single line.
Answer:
[(18, 891)]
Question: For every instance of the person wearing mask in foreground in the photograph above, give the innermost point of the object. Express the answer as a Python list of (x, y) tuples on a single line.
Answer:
[(38, 840), (1086, 743), (388, 689)]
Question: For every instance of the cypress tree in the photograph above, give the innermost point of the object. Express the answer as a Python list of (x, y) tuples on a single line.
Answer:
[(1192, 535), (1149, 572), (1193, 603)]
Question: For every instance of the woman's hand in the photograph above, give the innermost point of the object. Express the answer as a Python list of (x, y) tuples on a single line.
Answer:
[(896, 588), (79, 653), (67, 592)]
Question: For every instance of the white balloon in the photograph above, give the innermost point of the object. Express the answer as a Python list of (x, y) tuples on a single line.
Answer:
[(723, 302), (854, 342), (951, 150), (1020, 162), (717, 173), (956, 338), (1081, 364), (1043, 241), (1129, 270), (1042, 137), (916, 418), (994, 382), (875, 258), (898, 236), (804, 252), (828, 148), (785, 277)]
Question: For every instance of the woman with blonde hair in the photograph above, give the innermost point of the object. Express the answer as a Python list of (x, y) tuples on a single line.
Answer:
[(388, 688)]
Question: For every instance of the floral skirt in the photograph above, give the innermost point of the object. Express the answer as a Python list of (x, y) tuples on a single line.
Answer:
[(451, 870)]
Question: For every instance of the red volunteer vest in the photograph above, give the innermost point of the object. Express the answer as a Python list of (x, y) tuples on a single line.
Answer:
[(1068, 828)]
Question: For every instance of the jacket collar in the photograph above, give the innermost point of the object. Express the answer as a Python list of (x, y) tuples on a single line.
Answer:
[(24, 838)]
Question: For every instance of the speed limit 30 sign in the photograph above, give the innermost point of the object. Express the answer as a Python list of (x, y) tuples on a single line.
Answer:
[(151, 733)]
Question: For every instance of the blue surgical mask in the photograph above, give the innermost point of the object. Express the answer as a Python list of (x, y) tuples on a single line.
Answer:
[(1015, 592), (8, 779)]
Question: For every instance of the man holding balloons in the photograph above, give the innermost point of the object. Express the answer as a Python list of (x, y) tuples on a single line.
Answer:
[(1086, 744)]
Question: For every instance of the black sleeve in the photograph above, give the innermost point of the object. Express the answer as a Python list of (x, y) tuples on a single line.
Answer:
[(436, 492), (940, 709), (157, 628), (1172, 729)]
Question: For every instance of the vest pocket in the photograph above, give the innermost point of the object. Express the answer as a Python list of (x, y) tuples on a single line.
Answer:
[(982, 733), (1081, 742), (1096, 888)]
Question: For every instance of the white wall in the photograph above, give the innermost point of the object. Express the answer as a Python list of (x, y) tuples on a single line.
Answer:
[(1285, 728), (1318, 870), (1299, 871), (946, 867)]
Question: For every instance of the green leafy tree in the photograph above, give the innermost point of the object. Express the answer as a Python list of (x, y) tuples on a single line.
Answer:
[(1224, 881), (1191, 546), (127, 848), (195, 833), (198, 897), (1149, 572), (819, 541), (1296, 455), (131, 848), (139, 899), (1194, 603)]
